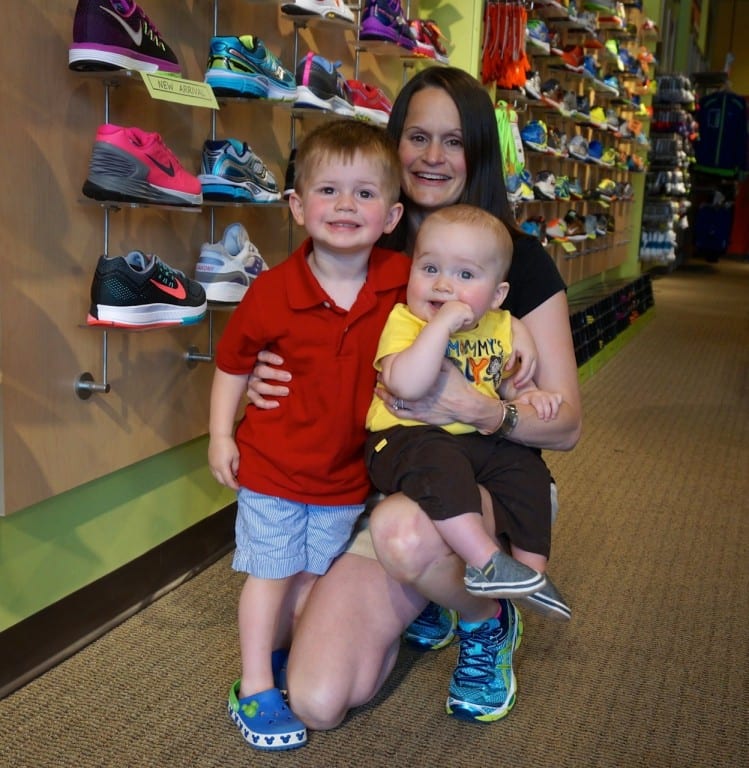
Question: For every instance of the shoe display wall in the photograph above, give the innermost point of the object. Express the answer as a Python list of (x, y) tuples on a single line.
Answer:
[(576, 100), (134, 165), (584, 86)]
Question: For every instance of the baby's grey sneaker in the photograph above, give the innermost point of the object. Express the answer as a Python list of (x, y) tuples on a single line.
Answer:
[(548, 602), (503, 576)]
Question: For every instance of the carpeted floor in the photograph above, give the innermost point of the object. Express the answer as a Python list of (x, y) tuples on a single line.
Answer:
[(650, 549)]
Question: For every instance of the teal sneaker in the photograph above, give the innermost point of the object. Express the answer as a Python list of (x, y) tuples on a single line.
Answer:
[(483, 685), (265, 720), (432, 629)]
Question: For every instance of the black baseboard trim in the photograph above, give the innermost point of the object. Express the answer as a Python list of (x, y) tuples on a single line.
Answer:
[(38, 643)]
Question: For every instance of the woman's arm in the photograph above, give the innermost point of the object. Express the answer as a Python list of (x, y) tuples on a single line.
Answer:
[(454, 399), (549, 324)]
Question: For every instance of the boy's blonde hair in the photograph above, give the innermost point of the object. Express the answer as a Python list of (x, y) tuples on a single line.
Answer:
[(342, 140), (472, 215)]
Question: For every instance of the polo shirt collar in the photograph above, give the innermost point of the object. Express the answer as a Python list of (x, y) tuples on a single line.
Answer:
[(304, 291)]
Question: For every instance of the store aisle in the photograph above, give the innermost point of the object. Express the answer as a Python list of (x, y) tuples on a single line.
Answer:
[(650, 549)]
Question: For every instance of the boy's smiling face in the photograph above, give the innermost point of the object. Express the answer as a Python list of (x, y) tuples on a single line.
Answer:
[(342, 205)]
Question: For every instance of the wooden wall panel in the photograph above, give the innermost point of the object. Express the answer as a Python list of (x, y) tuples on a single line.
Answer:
[(51, 440)]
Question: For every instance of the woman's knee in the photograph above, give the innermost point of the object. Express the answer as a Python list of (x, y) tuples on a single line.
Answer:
[(404, 538), (321, 708)]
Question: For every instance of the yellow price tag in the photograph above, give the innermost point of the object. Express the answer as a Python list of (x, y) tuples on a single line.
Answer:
[(568, 247), (179, 91)]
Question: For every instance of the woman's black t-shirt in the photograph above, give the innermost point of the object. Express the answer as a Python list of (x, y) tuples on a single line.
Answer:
[(533, 277)]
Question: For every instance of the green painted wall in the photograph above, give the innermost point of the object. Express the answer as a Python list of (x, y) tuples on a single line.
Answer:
[(52, 549)]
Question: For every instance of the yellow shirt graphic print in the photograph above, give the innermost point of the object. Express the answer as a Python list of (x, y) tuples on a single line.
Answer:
[(480, 354)]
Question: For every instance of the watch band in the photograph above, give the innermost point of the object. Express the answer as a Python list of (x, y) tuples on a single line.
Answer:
[(510, 420)]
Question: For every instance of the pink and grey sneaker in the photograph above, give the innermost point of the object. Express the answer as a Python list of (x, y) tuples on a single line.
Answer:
[(117, 34), (385, 20), (132, 165)]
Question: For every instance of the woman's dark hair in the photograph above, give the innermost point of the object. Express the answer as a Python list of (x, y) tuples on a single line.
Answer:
[(485, 185)]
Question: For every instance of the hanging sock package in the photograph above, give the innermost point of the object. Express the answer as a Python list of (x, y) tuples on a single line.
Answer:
[(503, 59)]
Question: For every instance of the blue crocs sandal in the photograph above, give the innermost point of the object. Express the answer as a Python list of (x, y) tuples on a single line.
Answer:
[(265, 720)]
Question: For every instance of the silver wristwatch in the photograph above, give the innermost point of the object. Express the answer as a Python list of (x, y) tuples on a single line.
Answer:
[(510, 420)]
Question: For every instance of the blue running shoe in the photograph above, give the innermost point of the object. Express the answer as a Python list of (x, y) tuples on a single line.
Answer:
[(231, 171), (535, 226), (535, 134), (265, 720), (595, 151), (243, 66), (483, 685), (432, 629), (590, 67)]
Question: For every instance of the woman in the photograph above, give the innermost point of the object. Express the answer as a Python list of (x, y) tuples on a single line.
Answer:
[(347, 634)]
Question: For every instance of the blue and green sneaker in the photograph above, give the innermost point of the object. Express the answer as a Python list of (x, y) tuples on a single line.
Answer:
[(483, 685), (432, 629)]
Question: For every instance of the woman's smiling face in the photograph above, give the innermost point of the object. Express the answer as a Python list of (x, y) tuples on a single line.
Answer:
[(431, 150)]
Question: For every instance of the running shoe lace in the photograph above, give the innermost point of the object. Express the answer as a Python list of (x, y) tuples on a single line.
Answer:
[(478, 660), (167, 275)]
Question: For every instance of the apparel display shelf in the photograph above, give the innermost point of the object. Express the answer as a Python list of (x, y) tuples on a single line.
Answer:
[(665, 218)]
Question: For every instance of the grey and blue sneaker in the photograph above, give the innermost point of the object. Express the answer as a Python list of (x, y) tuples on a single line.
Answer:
[(432, 629), (227, 268), (483, 685), (231, 171), (243, 66), (503, 576)]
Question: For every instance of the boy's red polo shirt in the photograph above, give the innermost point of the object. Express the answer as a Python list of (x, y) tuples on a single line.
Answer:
[(310, 449)]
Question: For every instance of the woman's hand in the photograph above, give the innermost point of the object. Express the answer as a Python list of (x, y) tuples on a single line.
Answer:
[(448, 397), (259, 386)]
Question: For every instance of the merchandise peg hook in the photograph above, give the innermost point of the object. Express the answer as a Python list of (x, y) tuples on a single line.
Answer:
[(194, 355), (85, 385)]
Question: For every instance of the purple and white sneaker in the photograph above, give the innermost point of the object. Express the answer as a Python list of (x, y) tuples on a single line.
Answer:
[(385, 20), (117, 34)]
